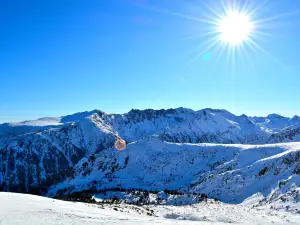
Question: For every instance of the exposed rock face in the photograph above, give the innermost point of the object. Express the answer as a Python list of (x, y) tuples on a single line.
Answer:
[(286, 135)]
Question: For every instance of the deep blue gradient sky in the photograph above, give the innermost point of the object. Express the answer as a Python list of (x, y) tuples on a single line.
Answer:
[(63, 56)]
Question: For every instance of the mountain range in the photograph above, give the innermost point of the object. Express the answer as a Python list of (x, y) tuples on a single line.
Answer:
[(210, 151)]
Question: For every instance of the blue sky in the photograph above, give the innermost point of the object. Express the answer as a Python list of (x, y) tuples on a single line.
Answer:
[(62, 57)]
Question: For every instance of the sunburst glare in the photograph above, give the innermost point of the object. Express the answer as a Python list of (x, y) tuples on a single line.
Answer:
[(235, 28), (230, 30), (230, 24)]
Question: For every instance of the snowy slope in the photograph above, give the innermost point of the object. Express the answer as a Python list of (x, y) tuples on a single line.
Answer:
[(230, 173), (29, 209)]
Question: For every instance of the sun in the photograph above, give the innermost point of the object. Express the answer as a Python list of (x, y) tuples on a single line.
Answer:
[(229, 28), (234, 28)]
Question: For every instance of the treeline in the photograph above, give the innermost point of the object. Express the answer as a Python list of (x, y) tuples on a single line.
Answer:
[(95, 190), (143, 195)]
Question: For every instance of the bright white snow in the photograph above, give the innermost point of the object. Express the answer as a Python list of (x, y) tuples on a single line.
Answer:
[(31, 210)]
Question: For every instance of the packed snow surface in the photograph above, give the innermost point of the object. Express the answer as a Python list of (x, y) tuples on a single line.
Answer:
[(33, 210)]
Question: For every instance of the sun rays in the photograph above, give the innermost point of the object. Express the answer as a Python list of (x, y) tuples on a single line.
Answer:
[(228, 31), (230, 24)]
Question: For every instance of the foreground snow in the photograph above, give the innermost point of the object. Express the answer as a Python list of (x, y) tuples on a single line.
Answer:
[(29, 209)]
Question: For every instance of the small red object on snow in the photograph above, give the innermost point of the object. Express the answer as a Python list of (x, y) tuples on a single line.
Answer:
[(120, 144)]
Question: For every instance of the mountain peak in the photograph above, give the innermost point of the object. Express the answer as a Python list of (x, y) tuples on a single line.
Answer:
[(275, 116), (79, 116)]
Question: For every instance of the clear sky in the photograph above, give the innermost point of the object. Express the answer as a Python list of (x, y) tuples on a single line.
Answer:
[(59, 57)]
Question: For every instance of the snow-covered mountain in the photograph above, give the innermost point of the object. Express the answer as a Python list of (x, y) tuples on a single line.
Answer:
[(56, 156), (230, 173), (176, 125)]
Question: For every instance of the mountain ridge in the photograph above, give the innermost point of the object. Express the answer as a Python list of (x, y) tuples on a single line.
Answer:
[(271, 124), (163, 109)]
